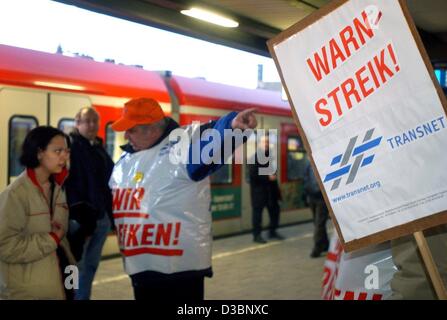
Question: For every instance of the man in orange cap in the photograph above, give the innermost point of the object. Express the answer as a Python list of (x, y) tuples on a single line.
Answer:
[(162, 206), (139, 117)]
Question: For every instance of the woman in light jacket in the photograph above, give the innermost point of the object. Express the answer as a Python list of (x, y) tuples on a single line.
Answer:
[(33, 221)]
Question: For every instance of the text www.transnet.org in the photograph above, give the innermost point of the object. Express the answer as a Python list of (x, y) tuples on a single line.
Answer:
[(356, 192)]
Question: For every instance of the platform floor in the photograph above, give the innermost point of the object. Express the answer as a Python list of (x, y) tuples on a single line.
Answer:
[(243, 270)]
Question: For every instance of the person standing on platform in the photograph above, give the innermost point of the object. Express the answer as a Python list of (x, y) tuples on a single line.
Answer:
[(34, 251), (89, 197), (265, 192), (164, 225), (319, 210)]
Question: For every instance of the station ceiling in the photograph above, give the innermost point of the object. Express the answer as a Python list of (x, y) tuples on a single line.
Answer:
[(259, 20)]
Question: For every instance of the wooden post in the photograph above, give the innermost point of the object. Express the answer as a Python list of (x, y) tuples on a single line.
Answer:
[(427, 257)]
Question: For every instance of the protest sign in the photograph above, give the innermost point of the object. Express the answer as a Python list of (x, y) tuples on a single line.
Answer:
[(372, 117)]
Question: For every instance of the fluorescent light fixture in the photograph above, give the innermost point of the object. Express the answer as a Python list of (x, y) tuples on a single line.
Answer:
[(210, 17), (59, 85)]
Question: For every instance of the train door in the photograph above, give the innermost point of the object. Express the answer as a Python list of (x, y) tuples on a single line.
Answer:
[(250, 149), (293, 164), (63, 108), (21, 110), (271, 127)]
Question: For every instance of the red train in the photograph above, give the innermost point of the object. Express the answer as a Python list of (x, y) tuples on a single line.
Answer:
[(39, 88)]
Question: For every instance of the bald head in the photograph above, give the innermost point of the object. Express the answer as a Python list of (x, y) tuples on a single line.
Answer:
[(87, 123)]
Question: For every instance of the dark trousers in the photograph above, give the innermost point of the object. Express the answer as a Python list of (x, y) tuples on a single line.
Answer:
[(188, 289), (273, 210), (320, 215)]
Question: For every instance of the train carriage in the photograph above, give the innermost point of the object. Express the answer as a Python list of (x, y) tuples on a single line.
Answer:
[(39, 88), (200, 100)]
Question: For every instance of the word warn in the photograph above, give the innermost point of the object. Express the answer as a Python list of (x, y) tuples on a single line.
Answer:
[(351, 39)]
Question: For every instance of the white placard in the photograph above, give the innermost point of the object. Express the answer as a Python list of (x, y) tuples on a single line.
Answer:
[(371, 114)]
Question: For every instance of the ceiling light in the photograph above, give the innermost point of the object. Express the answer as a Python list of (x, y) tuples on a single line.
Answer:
[(210, 17), (59, 85)]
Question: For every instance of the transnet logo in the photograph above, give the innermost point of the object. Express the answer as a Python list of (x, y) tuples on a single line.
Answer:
[(352, 159)]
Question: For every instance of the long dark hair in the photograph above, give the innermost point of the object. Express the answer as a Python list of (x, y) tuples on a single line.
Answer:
[(37, 140)]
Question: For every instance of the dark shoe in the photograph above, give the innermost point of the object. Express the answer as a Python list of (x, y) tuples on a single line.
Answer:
[(259, 239), (315, 253), (275, 235)]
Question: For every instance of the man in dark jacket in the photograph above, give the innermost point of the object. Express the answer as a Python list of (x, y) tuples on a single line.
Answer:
[(264, 192), (319, 211), (89, 197)]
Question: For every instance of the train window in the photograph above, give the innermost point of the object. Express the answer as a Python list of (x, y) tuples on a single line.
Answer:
[(19, 126), (295, 158), (223, 176), (110, 139), (66, 125)]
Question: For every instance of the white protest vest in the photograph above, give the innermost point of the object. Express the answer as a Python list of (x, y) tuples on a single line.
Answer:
[(364, 274), (162, 217)]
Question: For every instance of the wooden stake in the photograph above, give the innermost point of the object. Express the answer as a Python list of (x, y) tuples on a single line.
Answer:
[(430, 265)]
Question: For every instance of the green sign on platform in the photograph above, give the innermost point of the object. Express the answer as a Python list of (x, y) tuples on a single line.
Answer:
[(225, 202)]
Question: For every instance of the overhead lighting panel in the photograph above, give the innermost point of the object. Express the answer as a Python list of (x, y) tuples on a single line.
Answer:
[(210, 17)]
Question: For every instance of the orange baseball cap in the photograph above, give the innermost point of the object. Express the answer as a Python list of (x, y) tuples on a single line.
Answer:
[(138, 111)]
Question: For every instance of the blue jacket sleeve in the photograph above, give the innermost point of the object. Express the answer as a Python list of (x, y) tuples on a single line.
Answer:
[(206, 154)]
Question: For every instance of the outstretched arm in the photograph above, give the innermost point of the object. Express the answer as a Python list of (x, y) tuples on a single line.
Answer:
[(243, 120)]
